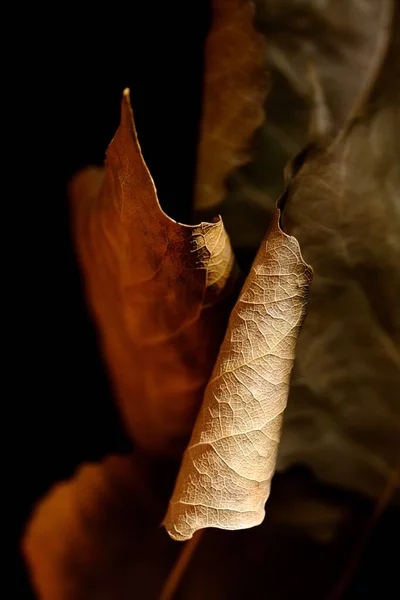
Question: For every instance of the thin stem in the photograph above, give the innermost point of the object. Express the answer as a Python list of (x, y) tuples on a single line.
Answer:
[(179, 568), (355, 559)]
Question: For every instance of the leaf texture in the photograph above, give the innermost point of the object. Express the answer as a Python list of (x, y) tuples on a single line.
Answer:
[(234, 92), (225, 476), (343, 418), (159, 291)]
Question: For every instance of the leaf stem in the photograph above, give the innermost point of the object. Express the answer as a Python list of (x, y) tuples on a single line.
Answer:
[(178, 570), (358, 551)]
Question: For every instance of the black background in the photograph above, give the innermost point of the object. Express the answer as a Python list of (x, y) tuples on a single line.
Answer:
[(65, 95), (65, 99)]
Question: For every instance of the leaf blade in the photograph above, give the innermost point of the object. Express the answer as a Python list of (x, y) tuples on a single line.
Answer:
[(225, 476), (159, 290), (343, 418)]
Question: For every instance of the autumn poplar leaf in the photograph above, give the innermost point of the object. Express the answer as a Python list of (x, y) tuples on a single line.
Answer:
[(159, 291), (225, 476), (234, 93)]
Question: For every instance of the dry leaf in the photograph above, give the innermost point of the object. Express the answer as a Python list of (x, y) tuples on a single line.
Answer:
[(96, 536), (234, 92), (345, 42), (158, 290), (343, 417), (225, 476)]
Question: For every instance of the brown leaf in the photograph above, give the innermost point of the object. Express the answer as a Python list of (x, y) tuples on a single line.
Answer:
[(158, 290), (234, 92), (225, 476), (343, 417)]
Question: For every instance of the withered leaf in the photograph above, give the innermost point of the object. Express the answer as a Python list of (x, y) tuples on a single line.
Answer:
[(234, 91), (158, 290), (96, 536), (225, 476), (343, 417), (345, 42)]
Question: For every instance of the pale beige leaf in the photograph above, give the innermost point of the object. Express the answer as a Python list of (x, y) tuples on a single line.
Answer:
[(159, 291), (225, 476), (234, 92)]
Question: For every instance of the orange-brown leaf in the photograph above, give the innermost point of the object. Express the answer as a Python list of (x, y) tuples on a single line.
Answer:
[(158, 291), (225, 476), (234, 93), (97, 536)]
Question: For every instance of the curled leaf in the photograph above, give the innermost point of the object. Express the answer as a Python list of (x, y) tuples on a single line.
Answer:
[(225, 476), (158, 289), (234, 92)]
